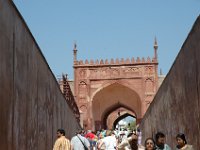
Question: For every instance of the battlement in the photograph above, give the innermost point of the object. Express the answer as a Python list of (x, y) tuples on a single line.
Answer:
[(116, 61)]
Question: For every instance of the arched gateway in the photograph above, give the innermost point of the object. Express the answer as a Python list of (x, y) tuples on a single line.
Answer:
[(103, 87)]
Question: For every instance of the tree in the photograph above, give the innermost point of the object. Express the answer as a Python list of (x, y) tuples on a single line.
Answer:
[(131, 125)]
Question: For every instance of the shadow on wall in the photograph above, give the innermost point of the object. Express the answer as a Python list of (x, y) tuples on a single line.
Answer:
[(32, 106)]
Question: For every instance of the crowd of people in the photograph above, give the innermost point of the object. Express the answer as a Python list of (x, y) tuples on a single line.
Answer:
[(116, 140)]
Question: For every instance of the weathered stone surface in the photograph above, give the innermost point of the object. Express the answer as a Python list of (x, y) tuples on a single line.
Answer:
[(32, 106), (102, 88), (176, 107)]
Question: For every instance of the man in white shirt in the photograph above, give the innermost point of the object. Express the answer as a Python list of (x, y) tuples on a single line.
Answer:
[(110, 141), (78, 142)]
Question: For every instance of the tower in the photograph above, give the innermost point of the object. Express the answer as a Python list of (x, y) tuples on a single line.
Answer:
[(75, 53), (156, 60), (155, 50)]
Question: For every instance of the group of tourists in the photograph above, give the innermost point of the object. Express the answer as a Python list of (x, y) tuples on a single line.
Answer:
[(115, 140)]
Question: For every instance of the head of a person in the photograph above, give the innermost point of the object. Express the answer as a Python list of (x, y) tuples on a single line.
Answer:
[(60, 132), (108, 132), (133, 140), (149, 144), (160, 140), (101, 136), (133, 135), (79, 132), (89, 131), (181, 140)]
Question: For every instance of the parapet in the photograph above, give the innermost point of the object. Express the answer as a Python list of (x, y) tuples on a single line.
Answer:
[(117, 61)]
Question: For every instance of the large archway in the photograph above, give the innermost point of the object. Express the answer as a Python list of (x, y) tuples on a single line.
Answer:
[(111, 98)]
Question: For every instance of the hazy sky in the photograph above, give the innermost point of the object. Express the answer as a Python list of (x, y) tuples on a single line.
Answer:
[(105, 29)]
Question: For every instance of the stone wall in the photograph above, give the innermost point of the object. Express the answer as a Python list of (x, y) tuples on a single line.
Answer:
[(176, 106), (32, 106)]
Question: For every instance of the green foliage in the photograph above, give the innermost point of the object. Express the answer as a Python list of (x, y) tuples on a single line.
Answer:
[(131, 125)]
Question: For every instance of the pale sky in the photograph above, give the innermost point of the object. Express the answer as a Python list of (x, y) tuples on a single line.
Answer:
[(105, 29)]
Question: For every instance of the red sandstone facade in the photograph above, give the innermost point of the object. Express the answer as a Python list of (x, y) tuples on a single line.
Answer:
[(102, 88)]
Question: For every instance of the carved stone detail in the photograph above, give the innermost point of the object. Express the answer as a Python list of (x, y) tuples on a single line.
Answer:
[(93, 73), (82, 73), (115, 72), (149, 70), (82, 89), (83, 108), (132, 71), (149, 85), (104, 73)]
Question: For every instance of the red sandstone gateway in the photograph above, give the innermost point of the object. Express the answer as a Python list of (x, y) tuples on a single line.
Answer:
[(102, 88)]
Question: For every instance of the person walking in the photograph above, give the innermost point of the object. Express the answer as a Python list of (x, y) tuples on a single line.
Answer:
[(160, 142), (130, 143), (182, 143), (62, 143), (99, 141), (110, 141), (149, 144), (79, 142)]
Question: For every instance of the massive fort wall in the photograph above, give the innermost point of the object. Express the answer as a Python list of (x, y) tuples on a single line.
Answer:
[(176, 106), (32, 106)]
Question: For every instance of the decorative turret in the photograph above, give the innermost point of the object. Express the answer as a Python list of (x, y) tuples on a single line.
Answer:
[(155, 50), (161, 72), (117, 61), (75, 53)]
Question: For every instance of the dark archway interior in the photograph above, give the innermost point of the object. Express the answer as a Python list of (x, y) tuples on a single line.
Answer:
[(113, 108)]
